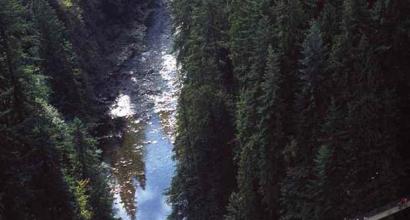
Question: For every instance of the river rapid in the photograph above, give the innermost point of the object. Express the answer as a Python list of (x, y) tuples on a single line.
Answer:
[(141, 161)]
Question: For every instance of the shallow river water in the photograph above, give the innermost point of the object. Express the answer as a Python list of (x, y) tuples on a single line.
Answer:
[(141, 161)]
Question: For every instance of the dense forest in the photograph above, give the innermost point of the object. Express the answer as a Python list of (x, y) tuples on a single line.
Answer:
[(291, 109), (288, 109), (54, 58)]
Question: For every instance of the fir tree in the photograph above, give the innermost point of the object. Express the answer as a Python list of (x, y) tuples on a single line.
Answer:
[(311, 104), (203, 145), (271, 135)]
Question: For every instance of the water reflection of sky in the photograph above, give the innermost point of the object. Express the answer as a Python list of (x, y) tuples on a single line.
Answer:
[(159, 170), (142, 171)]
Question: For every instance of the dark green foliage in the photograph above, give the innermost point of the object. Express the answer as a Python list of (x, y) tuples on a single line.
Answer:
[(321, 90), (50, 168), (271, 135), (58, 62), (319, 187), (311, 108), (202, 168), (204, 178), (88, 162)]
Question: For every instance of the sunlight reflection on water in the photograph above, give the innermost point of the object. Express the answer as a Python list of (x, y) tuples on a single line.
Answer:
[(122, 107)]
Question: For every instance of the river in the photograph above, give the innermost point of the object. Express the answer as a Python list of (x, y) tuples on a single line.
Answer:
[(141, 161)]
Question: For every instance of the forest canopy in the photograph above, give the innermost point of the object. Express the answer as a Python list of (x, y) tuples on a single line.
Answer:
[(53, 58), (306, 102)]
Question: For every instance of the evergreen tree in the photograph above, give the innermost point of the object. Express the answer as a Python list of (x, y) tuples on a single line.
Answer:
[(249, 70), (203, 145), (71, 92), (89, 159), (289, 26), (271, 135), (325, 185), (39, 175), (311, 104)]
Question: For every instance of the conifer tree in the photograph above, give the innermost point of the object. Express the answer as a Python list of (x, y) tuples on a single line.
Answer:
[(314, 112), (311, 104), (203, 145), (27, 156), (68, 82), (38, 177), (271, 135), (248, 71), (325, 184), (289, 26)]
